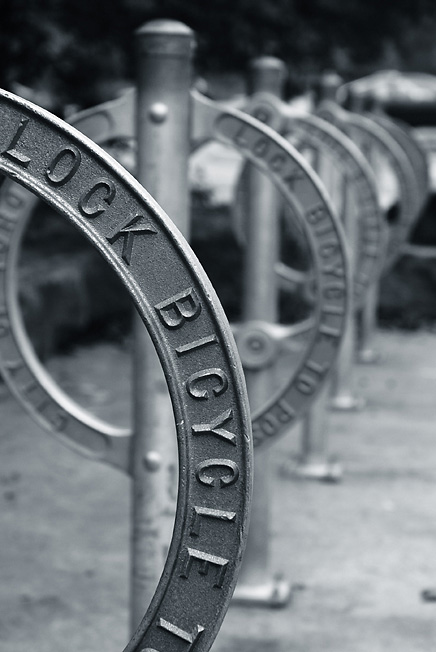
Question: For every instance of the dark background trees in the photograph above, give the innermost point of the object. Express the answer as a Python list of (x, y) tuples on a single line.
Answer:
[(78, 51), (70, 54)]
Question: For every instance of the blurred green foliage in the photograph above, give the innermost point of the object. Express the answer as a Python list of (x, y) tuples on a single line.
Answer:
[(78, 52)]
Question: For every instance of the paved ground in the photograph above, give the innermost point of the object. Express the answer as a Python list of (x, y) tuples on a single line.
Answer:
[(358, 553)]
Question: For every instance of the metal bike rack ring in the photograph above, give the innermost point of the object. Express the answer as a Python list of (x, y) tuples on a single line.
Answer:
[(293, 176), (362, 126), (195, 346), (369, 258), (303, 191), (346, 156), (401, 133)]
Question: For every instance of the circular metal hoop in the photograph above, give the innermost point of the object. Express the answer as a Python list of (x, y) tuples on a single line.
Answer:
[(308, 200), (356, 171), (363, 130), (324, 137), (302, 190), (194, 344), (401, 133)]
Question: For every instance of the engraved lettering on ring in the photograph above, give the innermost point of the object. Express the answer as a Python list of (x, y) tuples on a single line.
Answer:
[(184, 306), (190, 638), (286, 413), (240, 139), (203, 474), (334, 291), (127, 232), (327, 249), (197, 344), (269, 424), (294, 177), (263, 114), (306, 384), (11, 152), (206, 560), (217, 480), (261, 147), (290, 179), (213, 372), (330, 331), (215, 428), (64, 175), (90, 210), (334, 269), (277, 162), (315, 214), (207, 512)]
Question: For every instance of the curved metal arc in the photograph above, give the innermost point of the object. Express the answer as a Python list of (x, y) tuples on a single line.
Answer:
[(402, 135), (339, 147), (116, 440), (399, 163), (292, 279), (356, 170), (108, 121), (211, 114), (48, 134), (98, 439), (261, 145)]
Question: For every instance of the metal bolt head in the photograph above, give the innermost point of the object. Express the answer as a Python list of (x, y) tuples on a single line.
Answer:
[(152, 461), (255, 343), (158, 112), (257, 348)]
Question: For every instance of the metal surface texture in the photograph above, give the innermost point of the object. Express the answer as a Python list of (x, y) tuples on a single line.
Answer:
[(304, 193), (293, 176), (163, 74), (196, 349), (328, 141), (360, 182), (257, 584), (74, 425), (367, 134), (336, 159)]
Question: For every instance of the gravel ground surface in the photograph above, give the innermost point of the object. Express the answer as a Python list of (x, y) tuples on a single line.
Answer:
[(357, 553)]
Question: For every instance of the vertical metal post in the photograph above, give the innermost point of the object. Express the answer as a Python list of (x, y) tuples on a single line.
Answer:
[(164, 52), (328, 86), (367, 316), (367, 326), (313, 462), (257, 585), (342, 391), (343, 397)]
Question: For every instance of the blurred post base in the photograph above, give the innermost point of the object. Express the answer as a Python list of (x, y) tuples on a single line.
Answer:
[(275, 594), (321, 470)]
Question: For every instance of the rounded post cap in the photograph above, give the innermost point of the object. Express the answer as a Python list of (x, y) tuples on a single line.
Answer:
[(267, 74), (164, 26), (331, 79), (165, 37), (268, 63)]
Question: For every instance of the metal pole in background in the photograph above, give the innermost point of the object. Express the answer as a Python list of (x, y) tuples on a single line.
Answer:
[(367, 316), (343, 397), (329, 84), (164, 52), (342, 390), (313, 462), (257, 585), (367, 326)]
